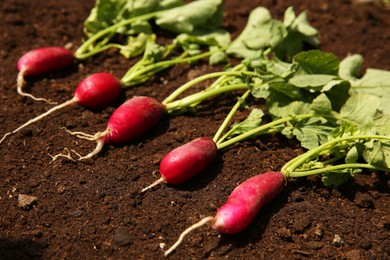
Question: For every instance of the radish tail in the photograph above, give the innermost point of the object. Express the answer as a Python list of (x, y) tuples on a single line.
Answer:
[(98, 137), (202, 222), (20, 82), (98, 148), (155, 183), (48, 112)]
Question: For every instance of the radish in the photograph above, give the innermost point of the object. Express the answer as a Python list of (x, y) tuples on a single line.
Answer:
[(242, 206), (129, 121), (95, 91), (40, 61), (186, 161)]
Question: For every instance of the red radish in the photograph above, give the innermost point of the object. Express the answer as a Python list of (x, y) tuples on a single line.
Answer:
[(97, 90), (129, 121), (186, 161), (242, 206), (40, 61)]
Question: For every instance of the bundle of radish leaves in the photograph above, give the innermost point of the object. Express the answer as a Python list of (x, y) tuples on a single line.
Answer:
[(344, 134)]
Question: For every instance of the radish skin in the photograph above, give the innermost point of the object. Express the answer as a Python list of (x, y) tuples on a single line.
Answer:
[(40, 61), (186, 161), (97, 90), (242, 206), (128, 122), (246, 200)]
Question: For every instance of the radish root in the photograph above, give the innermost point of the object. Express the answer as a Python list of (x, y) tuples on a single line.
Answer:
[(98, 137), (48, 112), (155, 183), (206, 220), (20, 83), (67, 155)]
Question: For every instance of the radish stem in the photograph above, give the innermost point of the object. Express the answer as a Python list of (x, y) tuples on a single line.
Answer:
[(289, 168), (230, 116)]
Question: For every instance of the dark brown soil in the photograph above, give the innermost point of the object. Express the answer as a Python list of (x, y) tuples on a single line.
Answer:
[(94, 210)]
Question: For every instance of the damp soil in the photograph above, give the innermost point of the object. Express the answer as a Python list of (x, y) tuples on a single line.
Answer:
[(94, 209)]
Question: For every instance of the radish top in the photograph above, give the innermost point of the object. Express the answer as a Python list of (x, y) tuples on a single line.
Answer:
[(43, 60)]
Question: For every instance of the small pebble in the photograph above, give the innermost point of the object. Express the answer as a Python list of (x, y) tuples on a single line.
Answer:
[(337, 240), (26, 201)]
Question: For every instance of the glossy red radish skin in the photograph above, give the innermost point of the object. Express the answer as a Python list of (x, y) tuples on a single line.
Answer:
[(98, 90), (133, 118), (243, 204), (44, 60), (188, 160), (246, 200)]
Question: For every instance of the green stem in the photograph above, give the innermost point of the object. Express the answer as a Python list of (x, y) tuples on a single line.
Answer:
[(295, 174), (230, 116), (197, 80), (200, 96), (298, 161), (261, 128), (83, 49), (224, 78), (162, 65)]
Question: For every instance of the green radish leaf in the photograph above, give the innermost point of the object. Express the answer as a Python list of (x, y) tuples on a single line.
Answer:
[(352, 155), (311, 132), (280, 68), (377, 153), (338, 92), (299, 34), (362, 109), (350, 67), (102, 15), (252, 121), (206, 14), (217, 37), (321, 104), (375, 82), (135, 45), (311, 81), (317, 62), (108, 12), (335, 179), (299, 24), (218, 57), (260, 32)]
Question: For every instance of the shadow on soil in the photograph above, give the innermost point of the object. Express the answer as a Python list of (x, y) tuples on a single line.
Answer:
[(21, 248)]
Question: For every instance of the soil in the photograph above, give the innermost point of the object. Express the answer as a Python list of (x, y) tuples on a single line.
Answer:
[(94, 209)]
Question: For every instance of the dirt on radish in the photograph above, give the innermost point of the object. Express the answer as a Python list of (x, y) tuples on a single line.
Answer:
[(96, 209)]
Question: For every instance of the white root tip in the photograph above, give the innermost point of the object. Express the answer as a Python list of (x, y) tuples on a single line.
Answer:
[(202, 222), (98, 148), (4, 137), (155, 183), (20, 83), (67, 156)]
